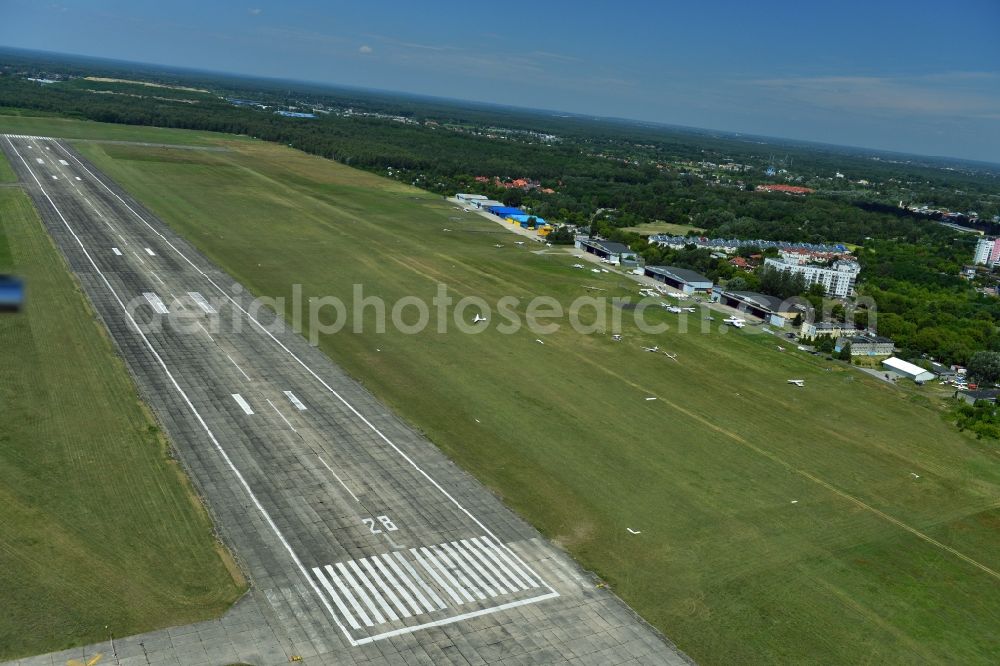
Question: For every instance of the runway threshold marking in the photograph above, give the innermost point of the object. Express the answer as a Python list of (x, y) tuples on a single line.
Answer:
[(244, 405), (295, 401), (382, 588), (552, 593), (156, 303)]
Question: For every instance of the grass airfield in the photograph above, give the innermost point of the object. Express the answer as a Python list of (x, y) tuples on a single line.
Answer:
[(869, 564)]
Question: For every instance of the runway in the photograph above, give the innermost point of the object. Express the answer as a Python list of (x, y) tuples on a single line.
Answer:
[(362, 542)]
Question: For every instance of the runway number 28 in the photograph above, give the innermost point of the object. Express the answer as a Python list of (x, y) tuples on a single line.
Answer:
[(383, 521)]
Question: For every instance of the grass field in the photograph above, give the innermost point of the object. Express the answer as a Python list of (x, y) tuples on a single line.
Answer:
[(97, 525), (869, 564), (663, 228), (20, 121)]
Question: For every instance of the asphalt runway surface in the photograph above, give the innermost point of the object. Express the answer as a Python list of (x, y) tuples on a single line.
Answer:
[(361, 541)]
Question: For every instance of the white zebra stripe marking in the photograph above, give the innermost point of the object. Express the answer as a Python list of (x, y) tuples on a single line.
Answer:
[(388, 587)]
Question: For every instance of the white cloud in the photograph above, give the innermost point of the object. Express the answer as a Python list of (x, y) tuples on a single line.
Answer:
[(953, 94), (365, 49)]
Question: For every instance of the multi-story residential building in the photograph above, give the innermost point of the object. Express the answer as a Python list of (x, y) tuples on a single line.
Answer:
[(985, 249), (837, 280)]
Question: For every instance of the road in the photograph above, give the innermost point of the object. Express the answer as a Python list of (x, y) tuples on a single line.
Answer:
[(362, 542)]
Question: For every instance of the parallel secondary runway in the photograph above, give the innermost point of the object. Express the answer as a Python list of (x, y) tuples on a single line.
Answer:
[(360, 539)]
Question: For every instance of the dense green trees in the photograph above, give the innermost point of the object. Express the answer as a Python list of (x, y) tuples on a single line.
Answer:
[(984, 367)]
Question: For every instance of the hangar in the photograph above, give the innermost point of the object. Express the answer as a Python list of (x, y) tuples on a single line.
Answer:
[(771, 309), (907, 369), (616, 253), (686, 280)]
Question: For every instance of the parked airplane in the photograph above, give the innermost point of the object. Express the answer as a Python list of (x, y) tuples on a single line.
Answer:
[(735, 322), (673, 308), (478, 318), (689, 309), (797, 382), (652, 349), (577, 265)]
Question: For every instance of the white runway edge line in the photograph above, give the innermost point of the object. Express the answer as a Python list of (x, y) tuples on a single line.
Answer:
[(552, 592), (244, 405), (215, 442)]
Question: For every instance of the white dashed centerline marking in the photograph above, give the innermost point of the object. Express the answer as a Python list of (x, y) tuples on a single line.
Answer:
[(245, 375), (290, 426), (244, 405), (116, 251), (150, 252)]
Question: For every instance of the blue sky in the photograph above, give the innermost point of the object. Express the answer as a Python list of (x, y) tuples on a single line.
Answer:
[(913, 76)]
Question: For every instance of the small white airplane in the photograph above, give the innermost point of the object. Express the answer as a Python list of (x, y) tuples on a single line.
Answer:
[(498, 245), (689, 309), (578, 266), (539, 341), (478, 318), (616, 338), (735, 322), (680, 296), (672, 357), (780, 348), (672, 308), (797, 382), (632, 531), (652, 349), (518, 242), (595, 270)]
